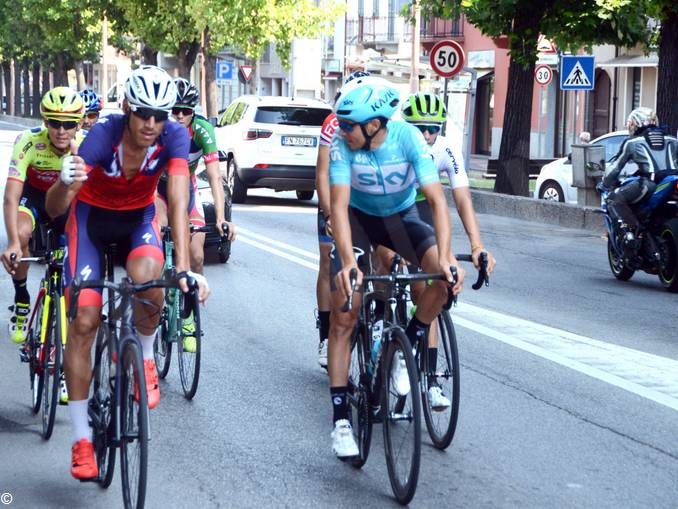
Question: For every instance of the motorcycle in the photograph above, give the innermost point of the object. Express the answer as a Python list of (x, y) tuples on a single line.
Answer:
[(657, 252)]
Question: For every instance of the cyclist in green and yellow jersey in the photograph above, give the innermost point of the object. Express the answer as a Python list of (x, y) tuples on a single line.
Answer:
[(34, 167)]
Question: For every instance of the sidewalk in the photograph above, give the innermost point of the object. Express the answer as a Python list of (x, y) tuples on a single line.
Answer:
[(477, 165)]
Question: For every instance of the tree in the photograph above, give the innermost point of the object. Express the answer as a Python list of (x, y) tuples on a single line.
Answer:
[(666, 12), (571, 24)]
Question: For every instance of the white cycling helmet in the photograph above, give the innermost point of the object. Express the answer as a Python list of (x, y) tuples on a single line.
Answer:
[(150, 87), (640, 117)]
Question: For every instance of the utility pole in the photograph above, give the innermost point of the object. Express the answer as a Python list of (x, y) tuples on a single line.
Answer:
[(416, 37), (104, 60)]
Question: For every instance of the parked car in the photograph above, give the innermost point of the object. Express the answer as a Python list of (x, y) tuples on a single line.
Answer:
[(555, 178), (213, 239), (270, 142)]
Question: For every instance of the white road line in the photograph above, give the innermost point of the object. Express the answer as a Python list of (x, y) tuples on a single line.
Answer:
[(650, 376)]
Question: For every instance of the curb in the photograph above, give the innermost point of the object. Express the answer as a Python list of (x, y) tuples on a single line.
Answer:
[(24, 121), (565, 215)]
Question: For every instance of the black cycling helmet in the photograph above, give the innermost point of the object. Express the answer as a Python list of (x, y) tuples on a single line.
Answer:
[(187, 93)]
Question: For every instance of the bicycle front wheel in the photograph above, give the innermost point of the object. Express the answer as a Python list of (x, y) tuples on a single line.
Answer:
[(33, 353), (444, 374), (52, 349), (359, 397), (189, 347), (101, 406), (162, 346), (133, 426), (401, 403)]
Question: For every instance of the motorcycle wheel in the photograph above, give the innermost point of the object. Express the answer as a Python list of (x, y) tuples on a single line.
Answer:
[(668, 273), (620, 271)]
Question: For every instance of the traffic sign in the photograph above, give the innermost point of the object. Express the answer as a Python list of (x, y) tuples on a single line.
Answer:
[(224, 70), (543, 75), (447, 58), (577, 72), (246, 71)]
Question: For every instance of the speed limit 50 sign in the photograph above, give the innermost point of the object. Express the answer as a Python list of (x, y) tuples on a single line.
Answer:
[(447, 58)]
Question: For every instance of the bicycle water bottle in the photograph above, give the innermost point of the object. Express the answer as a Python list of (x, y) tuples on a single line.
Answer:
[(377, 330)]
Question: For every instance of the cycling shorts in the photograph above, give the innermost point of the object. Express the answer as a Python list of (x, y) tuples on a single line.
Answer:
[(90, 229), (195, 211), (32, 203), (425, 213), (323, 236), (405, 233)]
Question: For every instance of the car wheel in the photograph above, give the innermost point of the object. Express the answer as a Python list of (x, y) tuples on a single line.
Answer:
[(551, 190), (304, 195), (237, 188)]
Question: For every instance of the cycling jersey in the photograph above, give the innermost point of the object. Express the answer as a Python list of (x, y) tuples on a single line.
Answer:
[(35, 160), (330, 125), (450, 164), (107, 187), (203, 142), (383, 180)]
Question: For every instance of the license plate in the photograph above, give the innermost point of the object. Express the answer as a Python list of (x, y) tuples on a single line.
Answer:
[(299, 141)]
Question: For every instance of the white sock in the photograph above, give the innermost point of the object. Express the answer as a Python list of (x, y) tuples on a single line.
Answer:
[(147, 345), (79, 420)]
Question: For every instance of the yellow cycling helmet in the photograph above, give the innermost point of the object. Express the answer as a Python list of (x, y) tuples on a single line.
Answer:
[(62, 103)]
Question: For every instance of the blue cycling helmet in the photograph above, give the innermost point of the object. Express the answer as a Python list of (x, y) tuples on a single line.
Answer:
[(368, 101), (91, 99)]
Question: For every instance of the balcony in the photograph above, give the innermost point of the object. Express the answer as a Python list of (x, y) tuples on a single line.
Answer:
[(436, 29), (371, 30)]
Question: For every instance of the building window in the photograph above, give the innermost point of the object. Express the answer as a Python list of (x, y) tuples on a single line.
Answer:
[(636, 88), (375, 8), (361, 7)]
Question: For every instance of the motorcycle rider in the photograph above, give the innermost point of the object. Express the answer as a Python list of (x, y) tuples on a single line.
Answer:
[(656, 155)]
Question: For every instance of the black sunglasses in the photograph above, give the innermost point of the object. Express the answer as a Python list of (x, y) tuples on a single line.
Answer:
[(347, 127), (147, 113), (58, 124), (432, 129), (181, 110)]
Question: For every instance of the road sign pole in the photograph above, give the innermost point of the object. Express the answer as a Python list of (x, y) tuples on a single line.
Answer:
[(540, 121), (445, 102), (470, 120)]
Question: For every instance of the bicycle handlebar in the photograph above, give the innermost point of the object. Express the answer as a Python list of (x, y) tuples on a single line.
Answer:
[(201, 229), (483, 276)]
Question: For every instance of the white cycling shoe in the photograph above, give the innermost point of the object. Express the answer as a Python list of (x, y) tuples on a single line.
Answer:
[(437, 399), (343, 442), (400, 380)]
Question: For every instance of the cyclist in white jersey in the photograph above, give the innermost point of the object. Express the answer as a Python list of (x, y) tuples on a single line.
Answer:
[(374, 165)]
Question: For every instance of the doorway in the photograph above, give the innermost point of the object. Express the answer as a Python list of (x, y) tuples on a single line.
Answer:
[(484, 112)]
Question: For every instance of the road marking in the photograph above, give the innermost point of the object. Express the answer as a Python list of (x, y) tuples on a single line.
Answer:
[(288, 209), (650, 376)]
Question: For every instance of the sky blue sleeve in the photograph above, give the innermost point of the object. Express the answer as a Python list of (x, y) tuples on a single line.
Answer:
[(419, 154), (340, 162)]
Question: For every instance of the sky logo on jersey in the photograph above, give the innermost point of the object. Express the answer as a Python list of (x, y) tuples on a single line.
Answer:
[(395, 178)]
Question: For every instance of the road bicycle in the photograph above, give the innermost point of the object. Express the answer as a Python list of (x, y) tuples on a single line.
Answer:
[(118, 408), (373, 392), (171, 330), (46, 335)]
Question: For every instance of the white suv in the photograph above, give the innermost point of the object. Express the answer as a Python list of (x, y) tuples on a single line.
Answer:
[(270, 142)]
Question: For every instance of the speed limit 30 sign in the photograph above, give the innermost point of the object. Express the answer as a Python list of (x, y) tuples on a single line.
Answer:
[(543, 74), (447, 58)]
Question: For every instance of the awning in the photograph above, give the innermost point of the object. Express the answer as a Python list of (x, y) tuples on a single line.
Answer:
[(651, 60)]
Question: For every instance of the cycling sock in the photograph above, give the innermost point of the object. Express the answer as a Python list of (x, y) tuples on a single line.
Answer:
[(78, 412), (147, 345), (432, 363), (21, 291), (324, 329), (339, 404), (417, 331)]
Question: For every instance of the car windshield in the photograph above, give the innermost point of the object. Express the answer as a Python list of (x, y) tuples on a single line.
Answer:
[(291, 115)]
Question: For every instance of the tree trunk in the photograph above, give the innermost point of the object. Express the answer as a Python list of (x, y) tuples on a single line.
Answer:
[(27, 96), (17, 88), (80, 75), (149, 55), (7, 75), (37, 90), (210, 76), (45, 79), (188, 52), (667, 92), (60, 72)]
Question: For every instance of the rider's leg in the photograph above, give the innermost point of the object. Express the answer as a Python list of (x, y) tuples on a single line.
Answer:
[(322, 290), (22, 299), (197, 252)]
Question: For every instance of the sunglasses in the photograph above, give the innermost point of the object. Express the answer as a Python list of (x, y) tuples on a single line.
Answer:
[(92, 115), (347, 127), (180, 110), (431, 129), (147, 113), (58, 124)]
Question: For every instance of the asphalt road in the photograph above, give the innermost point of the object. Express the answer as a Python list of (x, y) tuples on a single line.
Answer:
[(569, 387)]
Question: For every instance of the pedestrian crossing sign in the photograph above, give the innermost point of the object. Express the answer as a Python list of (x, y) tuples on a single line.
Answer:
[(577, 72)]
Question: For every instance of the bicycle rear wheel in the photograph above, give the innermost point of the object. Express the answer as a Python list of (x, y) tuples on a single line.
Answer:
[(162, 346), (101, 407), (32, 347), (442, 424), (52, 349), (189, 362), (133, 425), (359, 397), (402, 415)]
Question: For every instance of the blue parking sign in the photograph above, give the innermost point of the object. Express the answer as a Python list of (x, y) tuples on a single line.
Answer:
[(577, 72), (224, 69)]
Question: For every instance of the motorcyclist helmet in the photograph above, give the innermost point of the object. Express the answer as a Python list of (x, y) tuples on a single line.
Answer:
[(640, 117)]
